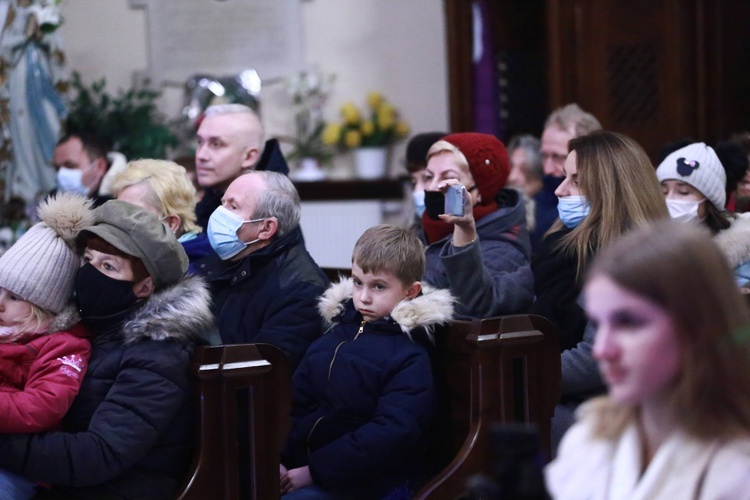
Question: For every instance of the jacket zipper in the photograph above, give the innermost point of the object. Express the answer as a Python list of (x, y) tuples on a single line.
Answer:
[(309, 435), (330, 366)]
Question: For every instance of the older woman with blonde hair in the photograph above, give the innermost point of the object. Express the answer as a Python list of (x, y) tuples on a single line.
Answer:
[(164, 189), (483, 255), (673, 344), (609, 187)]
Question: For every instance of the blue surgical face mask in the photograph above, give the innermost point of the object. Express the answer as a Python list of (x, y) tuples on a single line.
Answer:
[(572, 210), (418, 198), (222, 233), (69, 180)]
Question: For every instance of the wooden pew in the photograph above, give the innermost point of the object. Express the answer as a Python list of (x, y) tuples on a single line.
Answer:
[(243, 405), (504, 369)]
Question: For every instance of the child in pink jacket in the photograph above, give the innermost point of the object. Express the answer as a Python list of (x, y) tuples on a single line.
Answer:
[(44, 351)]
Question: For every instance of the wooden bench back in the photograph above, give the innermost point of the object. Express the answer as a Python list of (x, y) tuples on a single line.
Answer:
[(335, 274), (504, 369), (244, 398)]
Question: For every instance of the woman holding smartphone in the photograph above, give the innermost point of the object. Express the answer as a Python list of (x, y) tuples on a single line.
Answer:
[(483, 255)]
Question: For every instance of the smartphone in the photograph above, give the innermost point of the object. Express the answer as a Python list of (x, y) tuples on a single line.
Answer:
[(455, 198)]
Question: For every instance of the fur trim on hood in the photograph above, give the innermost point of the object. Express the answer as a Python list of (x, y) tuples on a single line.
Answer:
[(735, 241), (433, 307), (179, 312), (67, 318)]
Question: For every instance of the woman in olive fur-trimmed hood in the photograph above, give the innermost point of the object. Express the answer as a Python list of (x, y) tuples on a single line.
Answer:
[(364, 395), (134, 409), (129, 431)]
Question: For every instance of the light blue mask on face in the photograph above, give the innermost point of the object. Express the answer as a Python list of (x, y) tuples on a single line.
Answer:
[(572, 210), (222, 233), (418, 197)]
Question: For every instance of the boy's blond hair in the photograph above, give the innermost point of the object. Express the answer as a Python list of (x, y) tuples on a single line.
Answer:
[(387, 248)]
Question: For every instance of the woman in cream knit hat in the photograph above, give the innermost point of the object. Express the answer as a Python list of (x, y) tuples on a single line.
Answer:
[(694, 183)]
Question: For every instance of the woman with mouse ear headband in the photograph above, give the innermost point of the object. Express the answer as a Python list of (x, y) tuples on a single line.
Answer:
[(482, 256), (694, 182)]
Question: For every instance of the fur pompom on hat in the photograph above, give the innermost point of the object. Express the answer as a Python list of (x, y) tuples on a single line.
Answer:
[(41, 266), (697, 164), (488, 161)]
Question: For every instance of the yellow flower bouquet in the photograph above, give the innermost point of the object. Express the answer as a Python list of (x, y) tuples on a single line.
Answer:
[(378, 127)]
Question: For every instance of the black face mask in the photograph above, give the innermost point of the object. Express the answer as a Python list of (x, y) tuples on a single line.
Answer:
[(98, 295), (434, 204)]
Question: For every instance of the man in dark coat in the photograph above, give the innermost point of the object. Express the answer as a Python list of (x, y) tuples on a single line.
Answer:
[(264, 283), (230, 142)]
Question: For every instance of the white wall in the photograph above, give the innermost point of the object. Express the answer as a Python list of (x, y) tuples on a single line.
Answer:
[(396, 47)]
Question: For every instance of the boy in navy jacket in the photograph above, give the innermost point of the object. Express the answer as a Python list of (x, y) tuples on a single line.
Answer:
[(364, 395)]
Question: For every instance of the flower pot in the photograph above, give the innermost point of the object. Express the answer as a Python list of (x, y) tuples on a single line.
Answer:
[(371, 163), (308, 170)]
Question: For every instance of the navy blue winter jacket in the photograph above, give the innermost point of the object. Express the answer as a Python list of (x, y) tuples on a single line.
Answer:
[(364, 396), (269, 297)]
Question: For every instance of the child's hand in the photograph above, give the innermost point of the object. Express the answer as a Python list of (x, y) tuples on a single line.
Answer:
[(284, 479), (299, 478)]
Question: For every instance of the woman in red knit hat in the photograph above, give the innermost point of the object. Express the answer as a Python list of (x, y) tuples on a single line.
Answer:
[(482, 256)]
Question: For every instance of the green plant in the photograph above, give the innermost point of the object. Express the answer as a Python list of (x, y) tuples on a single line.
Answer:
[(131, 120)]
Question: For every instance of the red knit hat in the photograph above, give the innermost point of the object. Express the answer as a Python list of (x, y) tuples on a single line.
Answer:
[(488, 161)]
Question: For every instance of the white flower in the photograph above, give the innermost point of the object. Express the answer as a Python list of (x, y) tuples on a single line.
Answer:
[(46, 14)]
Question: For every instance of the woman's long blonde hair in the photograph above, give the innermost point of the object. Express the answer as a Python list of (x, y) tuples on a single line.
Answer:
[(620, 185), (678, 267)]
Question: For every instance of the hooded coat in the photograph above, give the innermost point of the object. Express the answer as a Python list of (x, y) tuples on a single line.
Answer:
[(129, 432), (491, 276), (364, 395)]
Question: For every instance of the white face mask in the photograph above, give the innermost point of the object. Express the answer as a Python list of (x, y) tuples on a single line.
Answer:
[(69, 180), (684, 210)]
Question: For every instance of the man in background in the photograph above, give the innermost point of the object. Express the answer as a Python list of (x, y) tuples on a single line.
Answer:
[(526, 175), (230, 141), (82, 162)]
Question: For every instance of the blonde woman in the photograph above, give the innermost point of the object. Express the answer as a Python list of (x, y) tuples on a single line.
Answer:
[(483, 256), (609, 188), (673, 344), (164, 189)]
